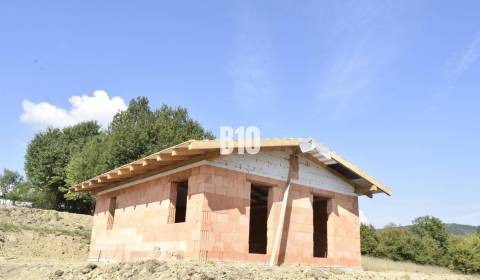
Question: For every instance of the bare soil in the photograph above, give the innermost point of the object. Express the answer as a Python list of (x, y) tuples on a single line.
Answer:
[(40, 244), (45, 234)]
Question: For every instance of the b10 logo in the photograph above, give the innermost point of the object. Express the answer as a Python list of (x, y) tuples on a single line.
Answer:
[(248, 140)]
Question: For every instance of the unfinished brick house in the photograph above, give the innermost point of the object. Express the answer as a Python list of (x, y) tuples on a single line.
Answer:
[(295, 201)]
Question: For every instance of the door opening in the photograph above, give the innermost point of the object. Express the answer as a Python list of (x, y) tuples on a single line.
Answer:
[(257, 238), (320, 218), (181, 202)]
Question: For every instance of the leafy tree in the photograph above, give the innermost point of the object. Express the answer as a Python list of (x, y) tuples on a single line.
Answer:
[(431, 227), (422, 243), (132, 132), (369, 239), (22, 191), (402, 245), (92, 160), (464, 253), (46, 159), (175, 126), (8, 180), (139, 131)]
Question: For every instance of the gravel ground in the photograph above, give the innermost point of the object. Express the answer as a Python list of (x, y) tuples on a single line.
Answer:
[(48, 269)]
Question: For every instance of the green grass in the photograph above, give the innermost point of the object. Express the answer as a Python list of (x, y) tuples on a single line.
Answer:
[(44, 230)]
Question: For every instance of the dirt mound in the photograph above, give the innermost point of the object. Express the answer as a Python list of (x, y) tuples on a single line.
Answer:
[(44, 218), (36, 233), (26, 243)]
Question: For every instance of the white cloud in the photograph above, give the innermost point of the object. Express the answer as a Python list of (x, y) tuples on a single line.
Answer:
[(99, 107), (466, 59), (363, 218), (456, 65)]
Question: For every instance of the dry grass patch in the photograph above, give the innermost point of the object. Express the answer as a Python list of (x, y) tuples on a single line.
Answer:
[(383, 265)]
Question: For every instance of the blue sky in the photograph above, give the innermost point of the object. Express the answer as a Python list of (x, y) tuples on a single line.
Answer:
[(393, 86)]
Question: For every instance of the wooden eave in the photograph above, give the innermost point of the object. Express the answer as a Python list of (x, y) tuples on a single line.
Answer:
[(185, 152)]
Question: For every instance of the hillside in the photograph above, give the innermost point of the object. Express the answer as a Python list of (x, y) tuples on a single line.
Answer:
[(455, 229), (41, 244), (33, 233), (458, 229)]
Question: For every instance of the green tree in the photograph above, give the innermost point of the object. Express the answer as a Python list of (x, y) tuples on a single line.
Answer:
[(8, 180), (22, 191), (402, 245), (431, 227), (47, 157), (464, 253), (140, 131), (92, 160), (369, 239)]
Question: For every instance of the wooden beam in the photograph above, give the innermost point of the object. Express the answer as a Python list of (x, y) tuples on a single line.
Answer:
[(368, 191), (186, 152), (275, 255), (151, 164), (149, 161), (135, 167), (131, 169), (215, 144), (113, 175), (106, 179), (169, 157), (360, 173), (84, 186), (124, 172)]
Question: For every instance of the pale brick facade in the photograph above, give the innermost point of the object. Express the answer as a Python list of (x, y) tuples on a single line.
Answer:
[(217, 219)]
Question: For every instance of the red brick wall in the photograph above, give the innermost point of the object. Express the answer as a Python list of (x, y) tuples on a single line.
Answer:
[(217, 223), (141, 229)]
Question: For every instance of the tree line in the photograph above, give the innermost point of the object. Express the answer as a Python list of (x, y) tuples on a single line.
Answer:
[(425, 242), (56, 158)]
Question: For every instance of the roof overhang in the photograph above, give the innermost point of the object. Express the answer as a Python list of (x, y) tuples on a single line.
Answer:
[(196, 150), (364, 183)]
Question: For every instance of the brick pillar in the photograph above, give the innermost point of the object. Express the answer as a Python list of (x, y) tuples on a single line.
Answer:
[(202, 229), (205, 223), (171, 208)]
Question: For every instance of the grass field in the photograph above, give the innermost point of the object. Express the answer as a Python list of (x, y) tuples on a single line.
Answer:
[(382, 265)]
